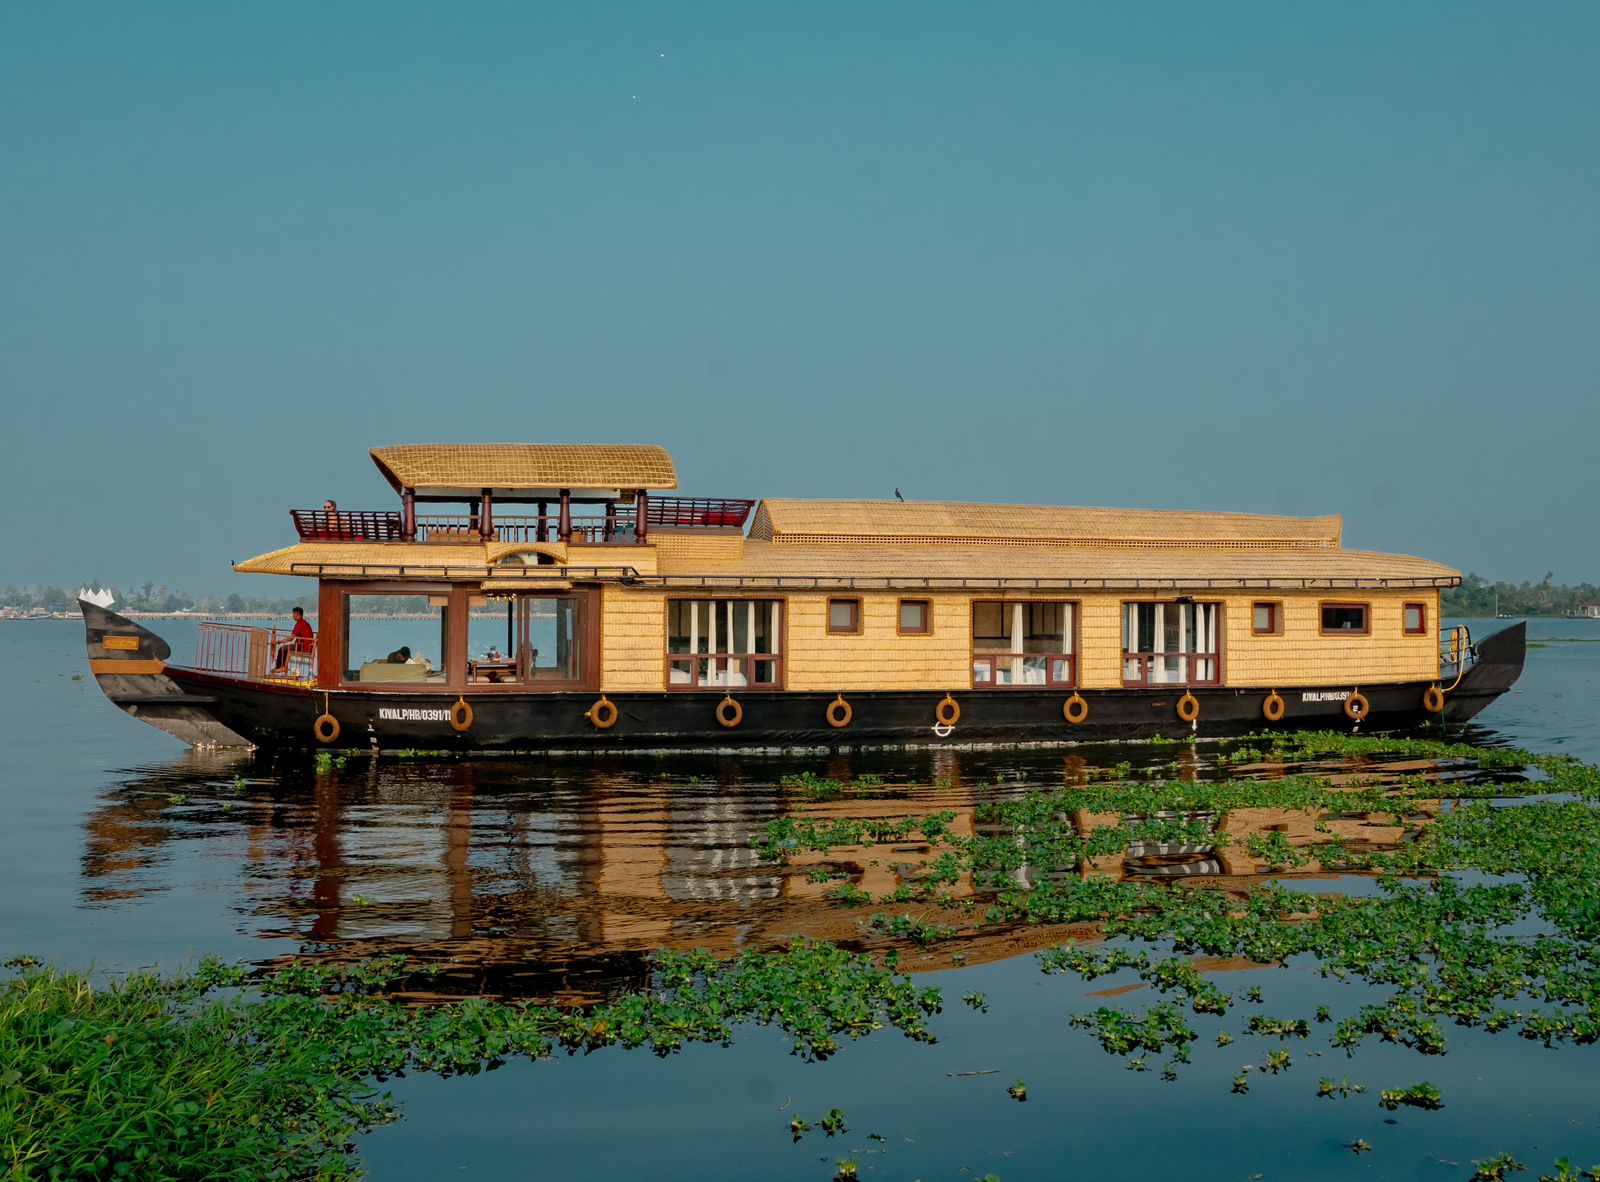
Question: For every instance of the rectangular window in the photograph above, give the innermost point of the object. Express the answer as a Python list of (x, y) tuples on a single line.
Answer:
[(1266, 619), (1019, 644), (916, 617), (724, 643), (1344, 617), (1416, 619), (526, 639), (844, 616), (395, 640), (1170, 644)]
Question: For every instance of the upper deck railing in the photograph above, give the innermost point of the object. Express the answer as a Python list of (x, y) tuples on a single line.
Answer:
[(618, 525)]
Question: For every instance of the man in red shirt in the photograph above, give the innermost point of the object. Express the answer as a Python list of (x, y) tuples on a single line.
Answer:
[(300, 640)]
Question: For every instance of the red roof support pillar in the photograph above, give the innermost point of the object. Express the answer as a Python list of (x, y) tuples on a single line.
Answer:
[(641, 528), (486, 517), (564, 530)]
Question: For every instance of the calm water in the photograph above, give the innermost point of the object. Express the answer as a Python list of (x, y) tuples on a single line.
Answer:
[(556, 878)]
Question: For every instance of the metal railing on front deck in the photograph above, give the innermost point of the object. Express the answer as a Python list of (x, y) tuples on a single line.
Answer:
[(255, 654)]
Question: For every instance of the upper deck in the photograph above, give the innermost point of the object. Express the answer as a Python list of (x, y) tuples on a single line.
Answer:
[(492, 512)]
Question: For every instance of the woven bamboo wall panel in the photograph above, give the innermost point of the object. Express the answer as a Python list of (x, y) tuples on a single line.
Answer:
[(880, 658), (1302, 656), (633, 635), (686, 553)]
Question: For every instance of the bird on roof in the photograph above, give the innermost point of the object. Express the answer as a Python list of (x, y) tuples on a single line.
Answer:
[(897, 495)]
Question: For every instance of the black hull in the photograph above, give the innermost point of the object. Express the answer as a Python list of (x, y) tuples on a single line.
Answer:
[(283, 717)]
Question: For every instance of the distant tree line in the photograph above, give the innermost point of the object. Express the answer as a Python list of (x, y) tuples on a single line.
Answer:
[(149, 597), (1478, 597)]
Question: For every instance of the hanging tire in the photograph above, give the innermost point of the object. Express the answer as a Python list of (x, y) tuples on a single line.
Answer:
[(326, 728), (1075, 710), (1188, 707), (1356, 707), (603, 714), (947, 712), (1272, 708), (461, 717), (1433, 699), (729, 713), (839, 713)]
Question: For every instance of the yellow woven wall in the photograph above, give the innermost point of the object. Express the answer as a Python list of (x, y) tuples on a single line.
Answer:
[(878, 658), (685, 552), (1303, 656)]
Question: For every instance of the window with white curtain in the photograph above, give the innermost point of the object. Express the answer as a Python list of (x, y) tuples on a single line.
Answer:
[(1170, 643), (1019, 643), (724, 643)]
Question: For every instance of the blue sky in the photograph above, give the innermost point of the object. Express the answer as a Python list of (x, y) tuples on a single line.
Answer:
[(1246, 256)]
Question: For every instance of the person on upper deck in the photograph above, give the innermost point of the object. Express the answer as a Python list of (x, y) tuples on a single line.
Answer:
[(301, 638), (400, 656), (333, 520)]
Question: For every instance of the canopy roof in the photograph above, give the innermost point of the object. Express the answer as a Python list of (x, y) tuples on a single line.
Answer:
[(443, 468), (933, 522)]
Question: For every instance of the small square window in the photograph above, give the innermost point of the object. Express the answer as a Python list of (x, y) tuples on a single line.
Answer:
[(915, 617), (1344, 617), (1416, 619), (844, 616), (1265, 619)]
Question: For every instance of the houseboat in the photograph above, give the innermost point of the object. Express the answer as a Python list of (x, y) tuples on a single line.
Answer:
[(539, 597)]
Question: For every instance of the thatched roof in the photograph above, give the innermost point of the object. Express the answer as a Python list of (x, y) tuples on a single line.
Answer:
[(943, 522), (524, 467), (914, 564)]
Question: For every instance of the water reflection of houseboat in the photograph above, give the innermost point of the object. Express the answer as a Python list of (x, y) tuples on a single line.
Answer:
[(627, 617), (564, 889)]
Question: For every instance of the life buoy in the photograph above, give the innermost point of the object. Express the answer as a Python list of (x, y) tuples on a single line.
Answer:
[(729, 713), (326, 728), (603, 714), (948, 712), (1188, 707), (1075, 710), (1272, 708), (1433, 699), (839, 713), (1356, 707), (461, 716)]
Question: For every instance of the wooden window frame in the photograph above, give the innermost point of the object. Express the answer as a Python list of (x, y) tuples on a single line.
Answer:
[(1276, 606), (333, 596), (780, 662), (1366, 610), (827, 615), (927, 617), (1219, 657), (976, 654), (1422, 612)]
